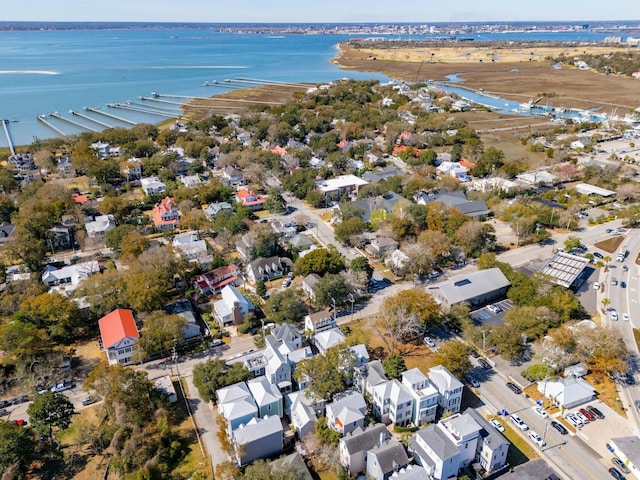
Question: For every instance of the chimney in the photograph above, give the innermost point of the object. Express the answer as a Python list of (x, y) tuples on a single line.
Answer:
[(382, 438), (237, 314)]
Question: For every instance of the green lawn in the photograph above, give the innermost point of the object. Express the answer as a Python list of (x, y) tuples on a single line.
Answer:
[(520, 451)]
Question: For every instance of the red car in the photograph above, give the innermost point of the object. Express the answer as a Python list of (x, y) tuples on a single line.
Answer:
[(20, 422), (588, 414)]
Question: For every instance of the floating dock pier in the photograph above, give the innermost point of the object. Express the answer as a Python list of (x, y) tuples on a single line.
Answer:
[(110, 115), (8, 135), (87, 117), (124, 106), (71, 122), (43, 119)]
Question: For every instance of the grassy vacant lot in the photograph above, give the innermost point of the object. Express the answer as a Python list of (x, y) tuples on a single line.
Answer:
[(606, 391), (416, 355), (515, 77)]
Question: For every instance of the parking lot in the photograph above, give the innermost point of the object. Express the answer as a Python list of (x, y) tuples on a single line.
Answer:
[(484, 315)]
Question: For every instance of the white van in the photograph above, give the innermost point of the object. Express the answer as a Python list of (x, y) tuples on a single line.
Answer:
[(519, 422)]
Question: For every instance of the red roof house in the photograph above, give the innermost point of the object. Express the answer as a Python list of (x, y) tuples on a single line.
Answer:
[(250, 199), (119, 334), (165, 214)]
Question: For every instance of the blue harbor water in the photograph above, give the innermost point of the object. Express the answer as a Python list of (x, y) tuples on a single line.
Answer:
[(48, 71)]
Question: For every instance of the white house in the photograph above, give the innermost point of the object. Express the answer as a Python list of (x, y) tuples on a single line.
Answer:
[(267, 397), (193, 249), (232, 308), (449, 388), (66, 279), (319, 321), (567, 392), (236, 405), (259, 438), (353, 447), (425, 396), (453, 169), (118, 334), (153, 185), (385, 460), (335, 188), (347, 413), (326, 339), (303, 412), (393, 402), (100, 226)]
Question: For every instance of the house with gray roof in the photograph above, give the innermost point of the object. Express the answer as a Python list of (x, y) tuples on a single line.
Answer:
[(474, 288), (457, 442), (353, 447), (213, 209), (236, 405), (293, 461), (184, 309), (379, 175), (393, 402), (367, 206), (300, 242), (381, 245), (309, 285), (385, 460), (287, 333), (567, 392), (303, 412), (267, 268), (6, 232), (259, 438), (370, 375), (449, 388), (100, 226), (455, 199), (319, 321), (347, 413), (267, 397), (411, 472)]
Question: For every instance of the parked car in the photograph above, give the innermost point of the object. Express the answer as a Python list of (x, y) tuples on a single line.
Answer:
[(498, 426), (637, 405), (629, 379), (4, 403), (620, 464), (596, 285), (625, 268), (514, 388), (540, 412), (616, 474), (88, 400), (494, 308), (598, 255), (474, 383), (623, 284), (474, 353), (62, 386), (537, 439), (519, 422), (484, 364), (429, 341), (614, 316), (573, 420), (553, 476), (590, 416), (559, 427), (582, 417), (596, 412)]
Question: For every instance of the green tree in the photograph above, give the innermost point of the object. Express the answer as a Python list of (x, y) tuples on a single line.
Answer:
[(286, 306), (274, 202), (571, 243), (58, 314), (327, 374), (114, 237), (160, 332), (346, 230), (133, 245), (48, 410), (261, 288), (263, 470), (315, 198), (394, 365), (361, 264), (331, 288), (319, 261), (17, 447), (454, 356), (215, 374), (325, 434)]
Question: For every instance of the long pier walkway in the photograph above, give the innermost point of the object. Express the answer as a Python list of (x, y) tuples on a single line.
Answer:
[(72, 122), (87, 117), (8, 135), (110, 115), (43, 119)]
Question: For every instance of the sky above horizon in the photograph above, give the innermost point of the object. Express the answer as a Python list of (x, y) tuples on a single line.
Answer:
[(349, 11)]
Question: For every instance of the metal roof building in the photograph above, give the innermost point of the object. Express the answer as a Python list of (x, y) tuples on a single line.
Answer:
[(473, 288), (564, 268)]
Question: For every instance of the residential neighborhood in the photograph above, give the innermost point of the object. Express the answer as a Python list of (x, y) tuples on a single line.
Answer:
[(378, 292)]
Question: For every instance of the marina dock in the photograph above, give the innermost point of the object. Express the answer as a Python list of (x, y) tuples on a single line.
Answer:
[(8, 135), (72, 122), (43, 119), (133, 108), (110, 115), (87, 117)]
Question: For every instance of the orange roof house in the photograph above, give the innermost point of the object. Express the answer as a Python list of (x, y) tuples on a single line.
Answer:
[(165, 214), (250, 199), (119, 333), (468, 164)]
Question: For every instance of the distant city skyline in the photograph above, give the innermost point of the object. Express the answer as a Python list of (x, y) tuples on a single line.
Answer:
[(326, 11)]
